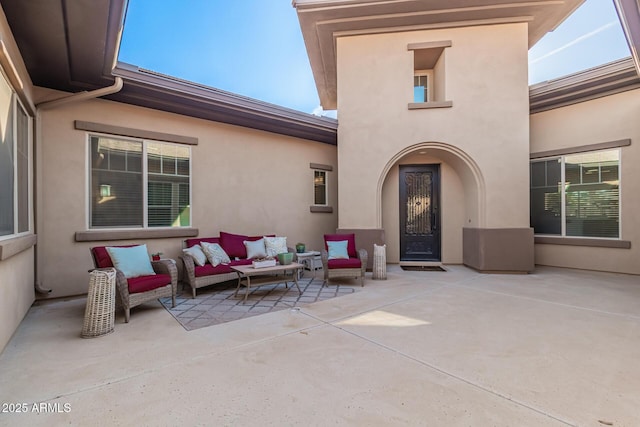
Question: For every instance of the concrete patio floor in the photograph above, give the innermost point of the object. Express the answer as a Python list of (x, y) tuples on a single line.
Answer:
[(456, 348)]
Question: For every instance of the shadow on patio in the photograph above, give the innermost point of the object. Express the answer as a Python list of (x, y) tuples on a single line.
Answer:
[(557, 347)]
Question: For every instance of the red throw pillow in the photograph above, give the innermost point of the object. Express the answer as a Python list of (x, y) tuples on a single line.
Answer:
[(101, 256), (233, 244)]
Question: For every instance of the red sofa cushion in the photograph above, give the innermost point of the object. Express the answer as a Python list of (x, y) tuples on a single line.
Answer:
[(148, 283), (101, 257), (233, 244), (351, 242), (209, 270), (344, 263), (196, 241)]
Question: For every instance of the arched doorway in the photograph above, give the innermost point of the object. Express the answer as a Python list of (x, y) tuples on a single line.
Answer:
[(448, 195)]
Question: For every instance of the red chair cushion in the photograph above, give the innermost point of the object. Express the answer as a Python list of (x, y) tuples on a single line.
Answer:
[(344, 263), (196, 241), (101, 257), (351, 242), (148, 283)]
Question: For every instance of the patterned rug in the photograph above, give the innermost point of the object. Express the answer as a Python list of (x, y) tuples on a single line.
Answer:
[(216, 304)]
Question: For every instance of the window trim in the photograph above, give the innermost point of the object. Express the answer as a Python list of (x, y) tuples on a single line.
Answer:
[(562, 238), (326, 188), (429, 75), (439, 49), (116, 232), (321, 208), (17, 103)]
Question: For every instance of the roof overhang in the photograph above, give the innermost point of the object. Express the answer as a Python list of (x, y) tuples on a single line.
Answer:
[(67, 45), (608, 79), (629, 14), (72, 46), (323, 21), (166, 93)]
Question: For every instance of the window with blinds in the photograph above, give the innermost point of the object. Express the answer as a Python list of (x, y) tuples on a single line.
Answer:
[(577, 195), (139, 184)]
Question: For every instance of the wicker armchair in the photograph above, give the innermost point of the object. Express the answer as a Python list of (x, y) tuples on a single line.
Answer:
[(353, 267), (138, 290)]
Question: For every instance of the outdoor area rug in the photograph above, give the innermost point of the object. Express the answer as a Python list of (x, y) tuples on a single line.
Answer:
[(216, 304)]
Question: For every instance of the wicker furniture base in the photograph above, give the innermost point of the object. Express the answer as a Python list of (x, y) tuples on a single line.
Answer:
[(202, 281), (99, 315), (344, 272)]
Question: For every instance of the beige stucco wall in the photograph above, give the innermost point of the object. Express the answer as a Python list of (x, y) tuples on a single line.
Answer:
[(243, 181), (487, 129), (601, 120), (16, 272), (16, 292)]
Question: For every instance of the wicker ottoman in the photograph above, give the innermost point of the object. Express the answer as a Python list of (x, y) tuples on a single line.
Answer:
[(101, 303)]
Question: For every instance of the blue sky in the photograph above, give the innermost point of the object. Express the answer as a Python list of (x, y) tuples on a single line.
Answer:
[(255, 47)]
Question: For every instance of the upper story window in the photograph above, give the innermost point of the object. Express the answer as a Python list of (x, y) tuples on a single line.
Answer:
[(577, 195), (429, 75), (139, 183), (422, 85), (15, 144)]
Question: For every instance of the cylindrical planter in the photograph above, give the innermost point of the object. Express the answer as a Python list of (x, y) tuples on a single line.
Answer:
[(99, 315), (379, 262)]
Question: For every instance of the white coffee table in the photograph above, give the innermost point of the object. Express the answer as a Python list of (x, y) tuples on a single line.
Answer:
[(249, 276)]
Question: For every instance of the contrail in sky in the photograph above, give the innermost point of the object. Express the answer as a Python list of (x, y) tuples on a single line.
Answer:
[(578, 40)]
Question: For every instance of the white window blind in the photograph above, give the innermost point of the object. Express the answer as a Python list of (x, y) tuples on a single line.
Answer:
[(577, 195)]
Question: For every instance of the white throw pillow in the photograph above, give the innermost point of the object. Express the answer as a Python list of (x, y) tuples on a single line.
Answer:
[(255, 249), (215, 254), (275, 245), (196, 253)]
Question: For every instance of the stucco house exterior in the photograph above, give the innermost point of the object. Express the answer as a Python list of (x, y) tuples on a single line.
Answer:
[(442, 147)]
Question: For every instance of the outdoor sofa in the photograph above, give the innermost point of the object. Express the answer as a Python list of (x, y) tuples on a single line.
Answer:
[(205, 274)]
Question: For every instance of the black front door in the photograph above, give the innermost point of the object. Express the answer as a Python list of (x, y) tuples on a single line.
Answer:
[(420, 213)]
